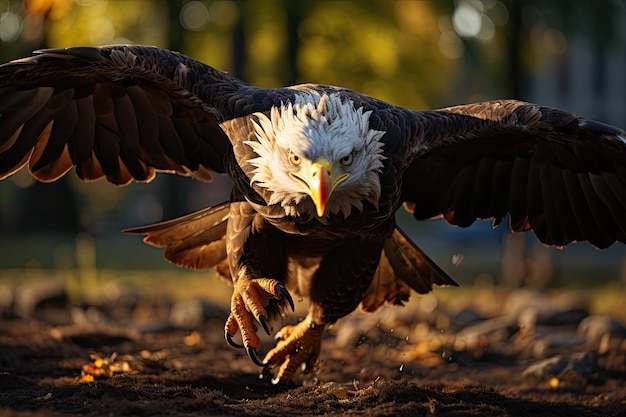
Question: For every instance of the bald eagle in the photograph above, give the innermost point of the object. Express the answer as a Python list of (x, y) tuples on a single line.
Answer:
[(318, 174)]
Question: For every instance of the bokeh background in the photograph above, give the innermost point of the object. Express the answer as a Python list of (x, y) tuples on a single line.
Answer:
[(418, 54)]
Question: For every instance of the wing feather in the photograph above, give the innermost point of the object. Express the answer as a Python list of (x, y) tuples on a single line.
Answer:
[(81, 143), (558, 174), (461, 214), (127, 123), (498, 198), (150, 146), (119, 112), (54, 148), (610, 201), (19, 108), (518, 195), (601, 221), (555, 204), (14, 157), (171, 143), (483, 183), (534, 203)]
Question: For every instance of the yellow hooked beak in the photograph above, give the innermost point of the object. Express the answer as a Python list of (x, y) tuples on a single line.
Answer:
[(320, 183)]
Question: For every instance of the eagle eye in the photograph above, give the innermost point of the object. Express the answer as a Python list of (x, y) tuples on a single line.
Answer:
[(294, 159), (347, 160)]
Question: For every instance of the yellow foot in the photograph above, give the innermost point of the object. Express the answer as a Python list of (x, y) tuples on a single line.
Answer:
[(297, 346), (249, 301)]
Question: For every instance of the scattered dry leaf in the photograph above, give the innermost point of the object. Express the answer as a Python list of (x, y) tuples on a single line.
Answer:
[(192, 339), (106, 367), (346, 390)]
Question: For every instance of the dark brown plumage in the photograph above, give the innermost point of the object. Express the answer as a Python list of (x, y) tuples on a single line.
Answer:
[(318, 175)]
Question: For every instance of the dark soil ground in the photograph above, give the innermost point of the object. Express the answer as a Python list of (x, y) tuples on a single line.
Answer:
[(423, 360)]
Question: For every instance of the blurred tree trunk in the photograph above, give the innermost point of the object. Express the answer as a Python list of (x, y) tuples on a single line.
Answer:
[(238, 59), (174, 187), (515, 73), (513, 268), (296, 12)]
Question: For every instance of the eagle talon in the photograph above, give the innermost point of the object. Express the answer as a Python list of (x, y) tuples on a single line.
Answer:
[(280, 382), (231, 342), (253, 356), (297, 346), (285, 294), (265, 372), (263, 322), (251, 297)]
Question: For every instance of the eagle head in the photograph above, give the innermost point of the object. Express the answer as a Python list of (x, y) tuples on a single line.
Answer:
[(317, 155)]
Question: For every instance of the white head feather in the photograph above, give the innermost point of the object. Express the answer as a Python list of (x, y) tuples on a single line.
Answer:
[(316, 126)]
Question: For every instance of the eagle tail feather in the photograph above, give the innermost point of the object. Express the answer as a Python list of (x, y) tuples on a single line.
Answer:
[(403, 265), (385, 287), (195, 241), (412, 265)]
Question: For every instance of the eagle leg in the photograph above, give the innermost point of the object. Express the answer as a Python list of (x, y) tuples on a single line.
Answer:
[(297, 346), (249, 301)]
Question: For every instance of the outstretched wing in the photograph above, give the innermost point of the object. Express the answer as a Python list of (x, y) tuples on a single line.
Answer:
[(119, 112), (560, 175)]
